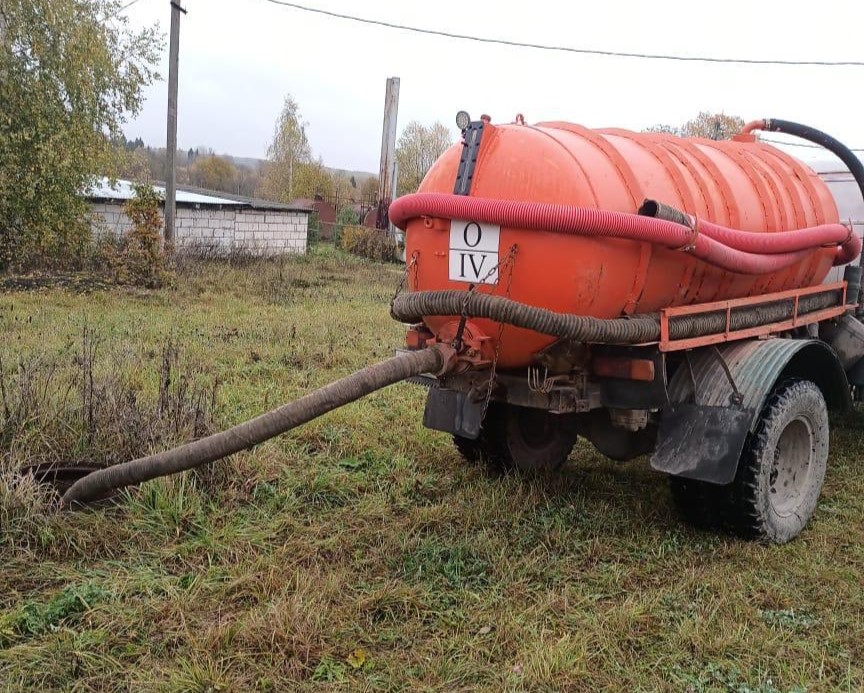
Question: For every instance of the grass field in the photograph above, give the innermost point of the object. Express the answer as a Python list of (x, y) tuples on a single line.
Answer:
[(360, 552)]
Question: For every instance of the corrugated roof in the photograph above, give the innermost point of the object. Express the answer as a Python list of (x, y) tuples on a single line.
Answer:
[(122, 190)]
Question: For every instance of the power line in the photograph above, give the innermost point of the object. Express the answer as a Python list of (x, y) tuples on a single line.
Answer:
[(566, 49), (803, 144), (122, 9)]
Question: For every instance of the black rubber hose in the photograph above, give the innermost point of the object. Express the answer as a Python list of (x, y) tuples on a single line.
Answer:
[(413, 307), (658, 210), (846, 155), (259, 429)]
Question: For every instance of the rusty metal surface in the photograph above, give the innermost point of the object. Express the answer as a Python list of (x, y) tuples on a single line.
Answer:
[(453, 412), (563, 396)]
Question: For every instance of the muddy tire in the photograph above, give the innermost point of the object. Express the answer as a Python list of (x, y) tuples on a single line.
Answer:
[(782, 467), (780, 472), (531, 441)]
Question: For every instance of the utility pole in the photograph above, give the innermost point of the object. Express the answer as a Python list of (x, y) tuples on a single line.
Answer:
[(171, 145), (387, 172)]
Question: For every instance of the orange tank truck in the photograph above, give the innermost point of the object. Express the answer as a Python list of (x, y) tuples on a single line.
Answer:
[(741, 184), (654, 296)]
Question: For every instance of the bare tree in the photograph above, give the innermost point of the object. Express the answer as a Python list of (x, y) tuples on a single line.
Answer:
[(712, 126)]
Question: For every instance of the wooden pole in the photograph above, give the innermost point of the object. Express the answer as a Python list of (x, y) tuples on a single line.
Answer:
[(387, 171), (171, 144)]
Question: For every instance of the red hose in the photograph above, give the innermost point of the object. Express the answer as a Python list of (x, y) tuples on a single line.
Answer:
[(807, 239), (736, 251)]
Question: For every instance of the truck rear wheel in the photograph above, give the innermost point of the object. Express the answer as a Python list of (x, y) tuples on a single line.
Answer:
[(780, 473), (782, 468), (530, 440)]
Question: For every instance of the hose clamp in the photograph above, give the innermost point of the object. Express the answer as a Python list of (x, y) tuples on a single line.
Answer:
[(693, 225), (449, 358)]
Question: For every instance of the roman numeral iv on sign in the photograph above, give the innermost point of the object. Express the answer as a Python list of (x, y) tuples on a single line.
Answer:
[(474, 252)]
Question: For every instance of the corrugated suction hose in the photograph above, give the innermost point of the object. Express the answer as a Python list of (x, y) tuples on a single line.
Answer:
[(413, 307), (261, 428)]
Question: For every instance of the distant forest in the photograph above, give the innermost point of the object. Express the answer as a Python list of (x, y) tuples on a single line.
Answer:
[(201, 167)]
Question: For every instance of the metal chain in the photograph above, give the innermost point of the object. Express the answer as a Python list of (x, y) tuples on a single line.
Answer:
[(463, 317), (408, 267), (509, 262)]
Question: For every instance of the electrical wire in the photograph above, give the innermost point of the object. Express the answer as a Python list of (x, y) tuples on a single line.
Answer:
[(122, 9), (566, 49), (803, 144)]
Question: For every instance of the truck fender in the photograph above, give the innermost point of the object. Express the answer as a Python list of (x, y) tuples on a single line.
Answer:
[(717, 393)]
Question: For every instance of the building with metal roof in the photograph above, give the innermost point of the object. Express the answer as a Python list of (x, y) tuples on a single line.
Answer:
[(208, 220)]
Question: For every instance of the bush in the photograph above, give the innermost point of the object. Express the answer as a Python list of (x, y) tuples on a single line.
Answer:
[(346, 217), (137, 257), (313, 231), (374, 244), (94, 408)]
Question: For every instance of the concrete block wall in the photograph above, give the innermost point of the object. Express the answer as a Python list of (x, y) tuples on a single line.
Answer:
[(109, 218), (209, 227), (261, 232), (270, 232)]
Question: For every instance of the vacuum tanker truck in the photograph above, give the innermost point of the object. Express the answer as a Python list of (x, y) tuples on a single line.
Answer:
[(652, 294), (690, 300)]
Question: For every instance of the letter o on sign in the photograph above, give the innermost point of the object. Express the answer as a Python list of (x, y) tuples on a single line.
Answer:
[(472, 232)]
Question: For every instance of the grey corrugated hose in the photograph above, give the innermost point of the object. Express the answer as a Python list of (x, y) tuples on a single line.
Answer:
[(412, 307), (259, 429)]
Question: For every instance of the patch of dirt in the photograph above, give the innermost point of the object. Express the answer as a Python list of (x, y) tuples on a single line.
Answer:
[(79, 282)]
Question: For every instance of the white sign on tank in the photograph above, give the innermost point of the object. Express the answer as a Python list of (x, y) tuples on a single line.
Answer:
[(474, 252)]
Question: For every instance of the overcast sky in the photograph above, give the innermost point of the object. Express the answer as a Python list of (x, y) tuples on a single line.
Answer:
[(238, 59)]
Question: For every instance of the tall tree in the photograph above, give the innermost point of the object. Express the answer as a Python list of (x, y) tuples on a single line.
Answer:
[(215, 173), (71, 73), (343, 193), (712, 126), (417, 149), (289, 148), (248, 180), (312, 178)]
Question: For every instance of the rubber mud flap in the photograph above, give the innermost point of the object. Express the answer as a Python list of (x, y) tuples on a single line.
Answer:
[(453, 412), (701, 442)]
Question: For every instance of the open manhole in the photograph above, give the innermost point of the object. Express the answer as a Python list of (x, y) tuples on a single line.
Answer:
[(61, 476)]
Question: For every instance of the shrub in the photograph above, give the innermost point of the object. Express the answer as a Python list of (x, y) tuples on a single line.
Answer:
[(313, 232), (346, 217), (137, 257), (91, 405), (94, 408), (374, 244)]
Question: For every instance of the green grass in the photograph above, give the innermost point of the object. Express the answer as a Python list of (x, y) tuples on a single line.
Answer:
[(360, 552)]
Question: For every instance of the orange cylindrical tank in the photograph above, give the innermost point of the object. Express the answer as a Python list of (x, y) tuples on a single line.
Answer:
[(742, 184)]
